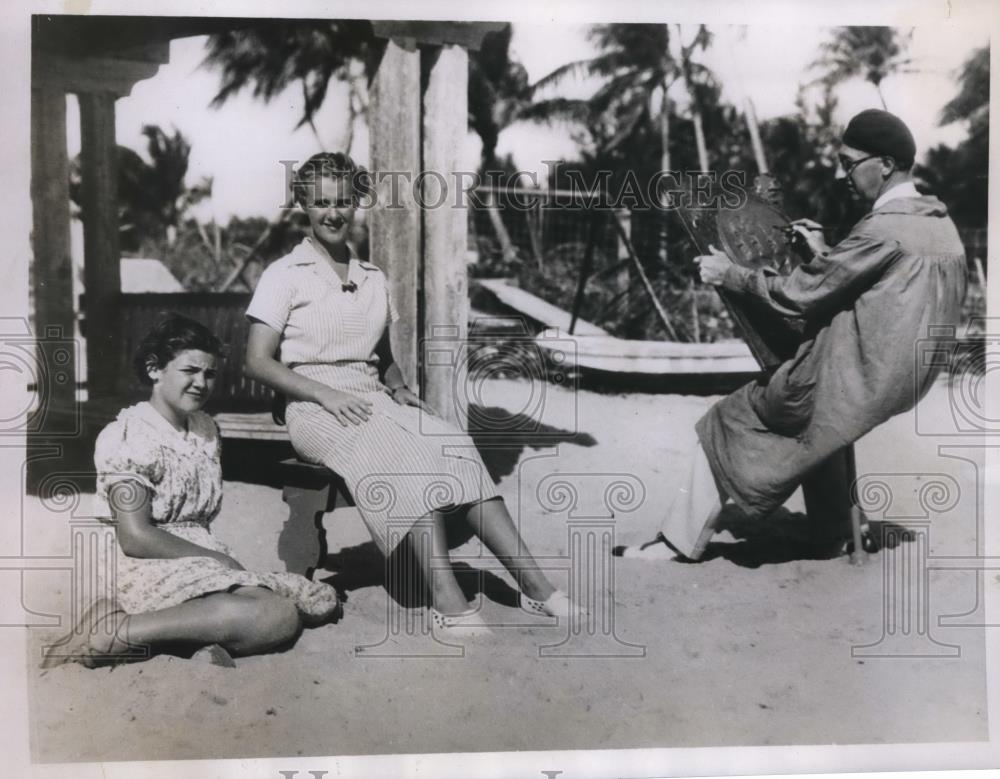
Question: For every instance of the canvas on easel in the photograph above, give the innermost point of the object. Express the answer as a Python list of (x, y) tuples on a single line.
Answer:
[(754, 237)]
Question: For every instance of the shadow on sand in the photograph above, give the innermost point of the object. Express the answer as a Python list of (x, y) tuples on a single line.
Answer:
[(783, 537), (363, 565), (501, 439)]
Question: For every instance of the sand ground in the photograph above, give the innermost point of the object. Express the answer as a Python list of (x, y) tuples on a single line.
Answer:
[(753, 646)]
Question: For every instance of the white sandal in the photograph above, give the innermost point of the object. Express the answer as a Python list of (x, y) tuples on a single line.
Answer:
[(468, 623), (557, 604)]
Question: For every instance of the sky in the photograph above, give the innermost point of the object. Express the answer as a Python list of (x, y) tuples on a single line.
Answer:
[(241, 145)]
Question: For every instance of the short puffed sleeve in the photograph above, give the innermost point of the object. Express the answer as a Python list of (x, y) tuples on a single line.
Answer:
[(124, 451), (272, 298)]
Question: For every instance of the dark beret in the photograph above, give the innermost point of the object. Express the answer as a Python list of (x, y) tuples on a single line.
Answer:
[(879, 132)]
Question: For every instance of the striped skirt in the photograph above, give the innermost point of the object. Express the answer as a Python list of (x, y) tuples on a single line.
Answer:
[(400, 464)]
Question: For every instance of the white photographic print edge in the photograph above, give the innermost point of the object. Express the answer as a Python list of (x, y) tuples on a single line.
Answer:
[(704, 630)]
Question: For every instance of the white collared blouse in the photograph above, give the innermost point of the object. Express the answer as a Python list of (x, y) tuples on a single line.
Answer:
[(301, 297)]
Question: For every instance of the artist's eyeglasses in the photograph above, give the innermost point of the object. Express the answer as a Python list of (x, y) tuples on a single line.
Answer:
[(848, 165)]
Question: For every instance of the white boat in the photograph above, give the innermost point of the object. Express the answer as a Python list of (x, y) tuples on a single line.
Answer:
[(618, 355)]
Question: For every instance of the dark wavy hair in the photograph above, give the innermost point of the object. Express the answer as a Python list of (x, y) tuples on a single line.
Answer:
[(335, 165), (170, 336)]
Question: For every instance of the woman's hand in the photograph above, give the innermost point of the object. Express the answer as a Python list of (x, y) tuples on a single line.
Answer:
[(812, 234), (346, 408), (404, 396), (712, 267)]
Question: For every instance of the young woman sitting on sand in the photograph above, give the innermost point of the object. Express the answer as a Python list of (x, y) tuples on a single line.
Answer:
[(159, 472), (350, 409)]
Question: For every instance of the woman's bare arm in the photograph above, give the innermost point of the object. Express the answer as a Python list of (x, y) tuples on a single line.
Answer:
[(139, 537), (261, 365)]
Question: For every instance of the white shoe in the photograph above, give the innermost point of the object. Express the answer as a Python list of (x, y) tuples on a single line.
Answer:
[(465, 625), (557, 604)]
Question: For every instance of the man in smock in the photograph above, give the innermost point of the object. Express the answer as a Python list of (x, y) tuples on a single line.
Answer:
[(864, 303)]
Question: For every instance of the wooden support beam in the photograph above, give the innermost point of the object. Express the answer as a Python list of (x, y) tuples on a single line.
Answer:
[(101, 253), (93, 75), (394, 226), (52, 271), (466, 34), (446, 283)]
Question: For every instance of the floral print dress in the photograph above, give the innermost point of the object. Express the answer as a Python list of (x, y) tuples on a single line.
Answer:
[(183, 472)]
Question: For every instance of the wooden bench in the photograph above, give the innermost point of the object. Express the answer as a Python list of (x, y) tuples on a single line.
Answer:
[(309, 490)]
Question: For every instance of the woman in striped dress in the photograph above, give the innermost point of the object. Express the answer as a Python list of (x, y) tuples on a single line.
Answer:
[(326, 313)]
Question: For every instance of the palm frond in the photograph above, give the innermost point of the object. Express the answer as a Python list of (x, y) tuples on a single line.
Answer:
[(557, 109), (578, 69)]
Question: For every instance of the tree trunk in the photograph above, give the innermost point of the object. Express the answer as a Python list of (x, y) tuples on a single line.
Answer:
[(699, 135), (534, 217), (496, 220), (352, 114), (665, 129), (699, 139), (664, 161), (695, 315), (878, 88), (758, 147)]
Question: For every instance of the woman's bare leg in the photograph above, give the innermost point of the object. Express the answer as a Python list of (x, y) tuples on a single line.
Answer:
[(491, 521), (250, 620), (430, 548)]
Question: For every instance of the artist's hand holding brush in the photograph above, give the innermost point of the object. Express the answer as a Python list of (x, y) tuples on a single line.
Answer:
[(811, 232)]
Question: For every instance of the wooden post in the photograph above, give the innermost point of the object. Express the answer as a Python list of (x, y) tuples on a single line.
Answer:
[(98, 79), (101, 253), (446, 293), (395, 228), (52, 277)]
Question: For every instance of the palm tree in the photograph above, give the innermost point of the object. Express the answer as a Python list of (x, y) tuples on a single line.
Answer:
[(626, 124), (619, 126), (874, 53), (498, 91), (636, 69), (270, 58), (972, 103), (153, 197), (700, 83), (165, 177), (959, 175)]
